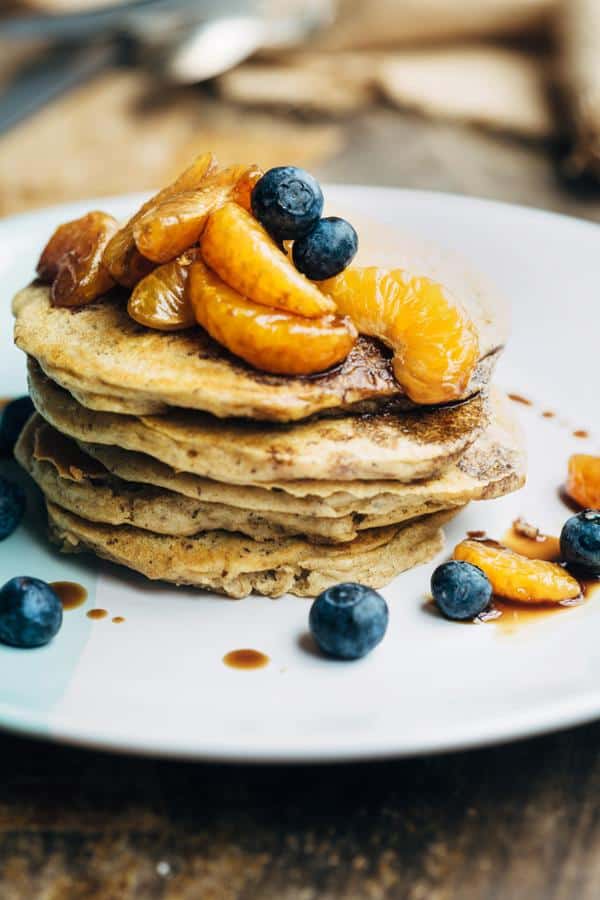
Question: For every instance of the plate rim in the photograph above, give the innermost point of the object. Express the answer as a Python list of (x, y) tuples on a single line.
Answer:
[(554, 716)]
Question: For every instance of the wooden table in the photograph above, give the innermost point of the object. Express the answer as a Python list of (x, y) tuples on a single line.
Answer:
[(504, 823)]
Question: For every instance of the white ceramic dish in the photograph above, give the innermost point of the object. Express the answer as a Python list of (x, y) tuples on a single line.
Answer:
[(156, 683)]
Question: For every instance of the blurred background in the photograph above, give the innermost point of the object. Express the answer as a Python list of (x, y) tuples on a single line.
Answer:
[(497, 98)]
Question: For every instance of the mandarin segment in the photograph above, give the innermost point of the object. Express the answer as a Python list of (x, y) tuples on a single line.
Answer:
[(270, 340), (518, 578), (583, 480), (161, 299), (72, 260), (174, 224), (435, 343), (241, 252), (121, 256)]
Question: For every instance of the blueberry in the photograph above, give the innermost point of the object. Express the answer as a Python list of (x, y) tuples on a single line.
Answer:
[(327, 250), (460, 590), (14, 417), (30, 613), (348, 620), (12, 507), (580, 541), (287, 201)]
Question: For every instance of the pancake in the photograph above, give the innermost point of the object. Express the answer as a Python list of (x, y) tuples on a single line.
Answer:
[(491, 467), (406, 446), (134, 489), (77, 482), (112, 364), (236, 566)]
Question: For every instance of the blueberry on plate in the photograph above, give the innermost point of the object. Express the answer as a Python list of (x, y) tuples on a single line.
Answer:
[(30, 613), (287, 201), (14, 416), (326, 250), (461, 590), (12, 506), (348, 620), (580, 541)]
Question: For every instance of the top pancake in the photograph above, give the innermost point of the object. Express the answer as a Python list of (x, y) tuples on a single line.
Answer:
[(112, 364)]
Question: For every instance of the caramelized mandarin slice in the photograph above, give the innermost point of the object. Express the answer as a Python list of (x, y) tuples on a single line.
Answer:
[(271, 340), (74, 235), (175, 224), (72, 260), (435, 343), (583, 480), (516, 577), (121, 256), (241, 252), (161, 299), (123, 259)]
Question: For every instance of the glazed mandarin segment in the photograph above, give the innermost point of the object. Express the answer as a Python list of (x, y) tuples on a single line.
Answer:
[(161, 299), (516, 577), (241, 252), (121, 256), (175, 224), (583, 480), (435, 343), (269, 339), (72, 260)]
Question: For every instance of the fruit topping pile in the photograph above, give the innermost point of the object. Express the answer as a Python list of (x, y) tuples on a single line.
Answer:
[(248, 256)]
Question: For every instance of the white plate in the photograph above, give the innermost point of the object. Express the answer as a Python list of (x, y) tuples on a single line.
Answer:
[(156, 683)]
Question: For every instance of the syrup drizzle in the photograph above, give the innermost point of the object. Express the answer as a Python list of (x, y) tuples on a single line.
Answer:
[(97, 614), (70, 594), (246, 659), (519, 398)]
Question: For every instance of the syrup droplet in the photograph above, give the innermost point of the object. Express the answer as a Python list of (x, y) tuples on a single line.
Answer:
[(246, 659), (97, 614), (581, 433), (518, 398), (70, 594)]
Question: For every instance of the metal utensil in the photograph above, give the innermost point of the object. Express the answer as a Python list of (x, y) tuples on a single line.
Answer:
[(213, 47), (188, 41)]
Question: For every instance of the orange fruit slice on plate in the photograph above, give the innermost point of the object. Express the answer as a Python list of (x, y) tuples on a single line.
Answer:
[(583, 480), (270, 340), (516, 577), (241, 252), (435, 343)]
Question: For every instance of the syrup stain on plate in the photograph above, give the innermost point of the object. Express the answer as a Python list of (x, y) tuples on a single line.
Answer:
[(246, 659), (70, 594), (519, 398), (97, 614)]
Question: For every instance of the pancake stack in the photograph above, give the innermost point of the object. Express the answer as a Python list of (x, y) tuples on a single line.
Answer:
[(164, 453)]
